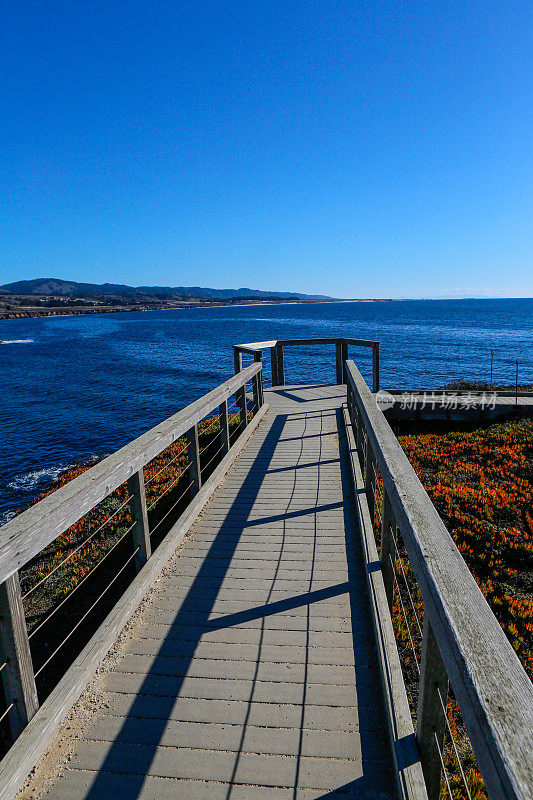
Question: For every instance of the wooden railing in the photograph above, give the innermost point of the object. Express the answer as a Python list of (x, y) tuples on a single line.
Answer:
[(277, 358), (462, 642), (24, 537)]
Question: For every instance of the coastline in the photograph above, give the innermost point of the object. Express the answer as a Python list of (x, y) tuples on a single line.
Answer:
[(30, 313), (33, 313)]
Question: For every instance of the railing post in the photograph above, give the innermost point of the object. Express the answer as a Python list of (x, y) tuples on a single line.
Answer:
[(17, 676), (344, 358), (193, 449), (256, 393), (224, 427), (242, 404), (387, 554), (260, 381), (431, 721), (139, 516), (237, 359), (274, 365), (370, 479), (257, 382), (280, 365), (359, 438), (375, 367), (338, 362), (349, 401)]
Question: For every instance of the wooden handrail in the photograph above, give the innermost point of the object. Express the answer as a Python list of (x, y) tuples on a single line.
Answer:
[(33, 727), (493, 691), (253, 346), (28, 533), (276, 349)]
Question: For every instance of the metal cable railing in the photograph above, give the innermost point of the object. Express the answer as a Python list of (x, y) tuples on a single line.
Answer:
[(168, 489), (167, 514), (404, 615), (452, 739), (399, 560), (93, 544), (411, 618), (77, 625), (78, 585), (205, 466), (7, 710), (183, 448), (445, 645), (76, 550)]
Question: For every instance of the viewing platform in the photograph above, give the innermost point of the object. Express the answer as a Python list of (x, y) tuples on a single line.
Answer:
[(250, 652)]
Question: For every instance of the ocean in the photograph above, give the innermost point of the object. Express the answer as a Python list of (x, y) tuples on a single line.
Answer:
[(77, 388)]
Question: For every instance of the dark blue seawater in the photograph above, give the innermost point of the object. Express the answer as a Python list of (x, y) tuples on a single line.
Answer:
[(74, 388)]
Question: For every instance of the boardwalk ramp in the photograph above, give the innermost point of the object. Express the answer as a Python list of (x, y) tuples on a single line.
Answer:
[(234, 636), (250, 670)]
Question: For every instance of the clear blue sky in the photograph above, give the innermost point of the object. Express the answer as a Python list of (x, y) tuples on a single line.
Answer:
[(349, 148)]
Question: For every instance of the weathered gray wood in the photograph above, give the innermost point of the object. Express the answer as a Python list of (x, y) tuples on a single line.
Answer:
[(430, 721), (359, 342), (375, 367), (349, 402), (256, 392), (338, 363), (344, 357), (261, 387), (17, 676), (274, 366), (251, 351), (242, 405), (280, 364), (493, 691), (237, 360), (139, 515), (313, 683), (370, 479), (250, 347), (327, 340), (28, 533), (276, 347), (40, 731), (359, 435), (193, 454), (409, 776), (257, 383), (224, 426), (387, 554)]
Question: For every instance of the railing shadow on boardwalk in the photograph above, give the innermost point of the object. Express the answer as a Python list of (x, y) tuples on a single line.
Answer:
[(299, 399), (211, 574), (357, 582)]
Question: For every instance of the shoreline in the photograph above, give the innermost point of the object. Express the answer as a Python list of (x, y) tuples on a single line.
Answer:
[(73, 312), (34, 313)]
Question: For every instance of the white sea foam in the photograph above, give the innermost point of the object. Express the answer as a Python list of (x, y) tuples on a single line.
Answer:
[(40, 478), (36, 478), (16, 341), (5, 516)]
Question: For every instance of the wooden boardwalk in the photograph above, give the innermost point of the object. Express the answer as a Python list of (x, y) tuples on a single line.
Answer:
[(249, 672), (252, 654)]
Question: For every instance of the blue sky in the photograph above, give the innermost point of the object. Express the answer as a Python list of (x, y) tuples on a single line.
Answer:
[(358, 149)]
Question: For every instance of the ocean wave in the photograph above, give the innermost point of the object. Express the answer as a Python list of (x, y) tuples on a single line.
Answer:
[(5, 516), (41, 478), (37, 478), (16, 341)]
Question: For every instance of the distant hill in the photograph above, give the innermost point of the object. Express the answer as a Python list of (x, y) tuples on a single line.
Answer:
[(60, 288)]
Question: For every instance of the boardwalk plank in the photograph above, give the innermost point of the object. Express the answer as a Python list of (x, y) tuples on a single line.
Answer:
[(251, 672)]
